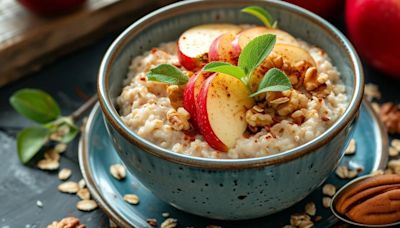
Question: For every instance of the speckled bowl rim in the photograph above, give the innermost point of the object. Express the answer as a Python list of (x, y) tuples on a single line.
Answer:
[(121, 221), (115, 120)]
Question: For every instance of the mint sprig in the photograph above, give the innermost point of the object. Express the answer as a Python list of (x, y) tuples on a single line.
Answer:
[(167, 73), (40, 107), (225, 68), (274, 80), (261, 14)]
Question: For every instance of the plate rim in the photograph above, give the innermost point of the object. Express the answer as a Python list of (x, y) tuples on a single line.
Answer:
[(123, 222)]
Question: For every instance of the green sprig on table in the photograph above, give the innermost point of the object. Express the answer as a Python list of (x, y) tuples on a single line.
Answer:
[(41, 108)]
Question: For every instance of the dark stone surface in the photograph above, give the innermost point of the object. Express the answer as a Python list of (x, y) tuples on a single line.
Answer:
[(69, 80)]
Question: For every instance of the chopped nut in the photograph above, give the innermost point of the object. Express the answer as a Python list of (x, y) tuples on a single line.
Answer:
[(310, 208), (152, 222), (394, 166), (165, 214), (60, 148), (68, 187), (52, 155), (169, 223), (47, 164), (179, 119), (351, 148), (326, 202), (300, 220), (280, 100), (311, 79), (69, 222), (83, 194), (64, 174), (131, 198), (82, 183), (175, 95), (371, 91), (390, 116), (393, 152), (329, 189), (256, 119), (86, 205), (118, 171), (39, 203), (396, 144)]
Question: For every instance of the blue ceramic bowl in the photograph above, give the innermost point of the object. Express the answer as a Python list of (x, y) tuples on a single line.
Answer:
[(237, 188)]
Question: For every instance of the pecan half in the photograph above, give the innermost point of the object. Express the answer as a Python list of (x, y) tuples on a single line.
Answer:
[(375, 200)]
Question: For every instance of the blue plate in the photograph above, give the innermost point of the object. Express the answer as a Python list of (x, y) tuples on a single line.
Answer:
[(96, 154)]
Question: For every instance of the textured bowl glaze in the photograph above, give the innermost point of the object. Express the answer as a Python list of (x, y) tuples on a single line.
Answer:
[(220, 188)]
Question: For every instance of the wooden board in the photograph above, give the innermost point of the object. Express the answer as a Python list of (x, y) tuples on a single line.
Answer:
[(27, 41)]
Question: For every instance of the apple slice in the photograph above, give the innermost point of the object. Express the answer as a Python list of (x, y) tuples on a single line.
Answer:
[(221, 49), (290, 53), (221, 107), (193, 44), (244, 37), (190, 93)]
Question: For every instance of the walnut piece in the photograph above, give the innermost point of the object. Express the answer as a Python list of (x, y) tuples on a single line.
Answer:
[(179, 119), (390, 116), (69, 222), (175, 95)]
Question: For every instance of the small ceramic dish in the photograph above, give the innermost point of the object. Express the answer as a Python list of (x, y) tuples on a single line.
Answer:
[(96, 154), (236, 188)]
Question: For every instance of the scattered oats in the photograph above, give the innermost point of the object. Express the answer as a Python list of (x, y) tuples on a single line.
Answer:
[(301, 220), (351, 148), (377, 172), (165, 214), (394, 166), (376, 107), (112, 224), (51, 155), (371, 91), (46, 164), (118, 171), (213, 226), (329, 189), (152, 222), (86, 205), (64, 174), (131, 198), (396, 144), (342, 172), (169, 223), (60, 148), (352, 174), (310, 208), (39, 203), (83, 194), (393, 152), (68, 187), (326, 202), (82, 183)]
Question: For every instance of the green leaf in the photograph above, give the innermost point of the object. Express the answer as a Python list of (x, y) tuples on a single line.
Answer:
[(30, 141), (273, 80), (225, 68), (35, 104), (261, 14), (167, 73), (255, 52)]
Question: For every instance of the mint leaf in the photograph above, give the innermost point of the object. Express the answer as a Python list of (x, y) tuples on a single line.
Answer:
[(29, 142), (226, 68), (261, 14), (35, 104), (273, 80), (63, 129), (167, 73), (255, 52)]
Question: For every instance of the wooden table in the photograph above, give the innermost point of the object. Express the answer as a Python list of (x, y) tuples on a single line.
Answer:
[(68, 80)]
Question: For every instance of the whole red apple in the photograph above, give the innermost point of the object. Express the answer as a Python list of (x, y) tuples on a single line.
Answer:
[(324, 8), (51, 7), (374, 28)]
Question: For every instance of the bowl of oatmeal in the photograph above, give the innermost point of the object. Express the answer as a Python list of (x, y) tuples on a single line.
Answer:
[(227, 115)]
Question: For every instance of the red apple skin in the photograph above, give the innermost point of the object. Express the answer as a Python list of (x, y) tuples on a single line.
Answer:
[(190, 95), (202, 117), (189, 63), (374, 28), (324, 8), (51, 7)]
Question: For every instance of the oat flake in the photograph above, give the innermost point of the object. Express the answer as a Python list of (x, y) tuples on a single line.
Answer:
[(64, 174), (68, 187), (131, 198), (118, 171), (86, 205)]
